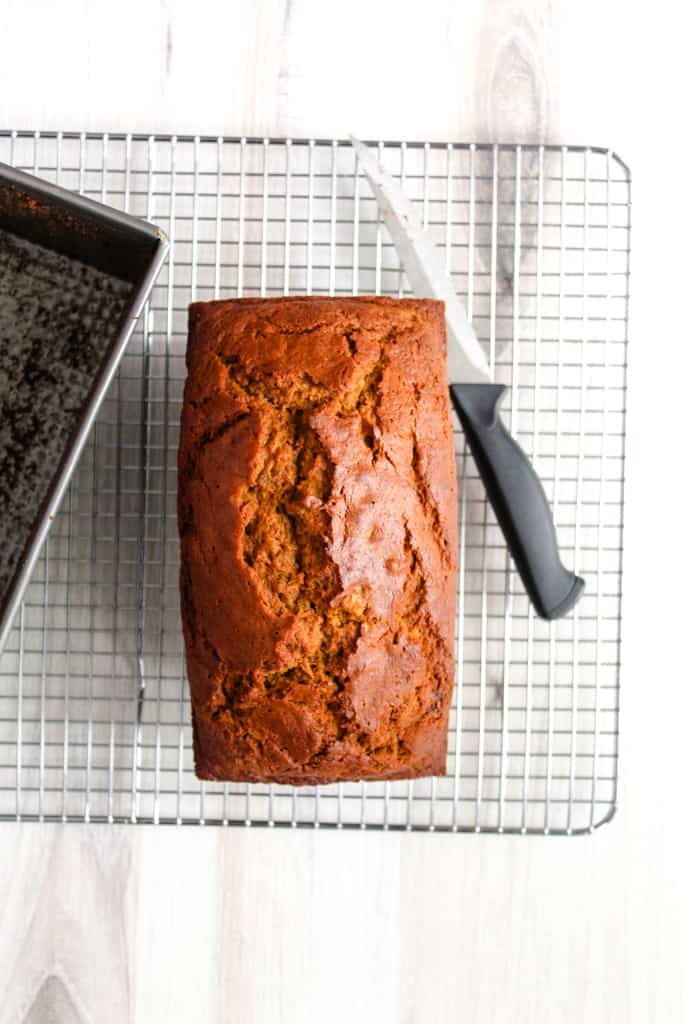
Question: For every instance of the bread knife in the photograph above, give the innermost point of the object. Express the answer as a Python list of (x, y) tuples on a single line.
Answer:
[(512, 485)]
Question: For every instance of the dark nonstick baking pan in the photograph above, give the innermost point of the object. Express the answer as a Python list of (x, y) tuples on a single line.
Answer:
[(74, 277)]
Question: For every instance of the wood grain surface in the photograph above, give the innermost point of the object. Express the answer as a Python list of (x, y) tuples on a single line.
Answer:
[(131, 924)]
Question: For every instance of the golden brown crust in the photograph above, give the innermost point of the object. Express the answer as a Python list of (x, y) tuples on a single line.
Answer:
[(317, 516)]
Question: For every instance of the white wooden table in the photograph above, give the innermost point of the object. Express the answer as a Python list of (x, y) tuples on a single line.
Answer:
[(139, 924)]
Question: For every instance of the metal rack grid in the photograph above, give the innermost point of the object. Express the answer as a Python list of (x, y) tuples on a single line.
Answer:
[(94, 710)]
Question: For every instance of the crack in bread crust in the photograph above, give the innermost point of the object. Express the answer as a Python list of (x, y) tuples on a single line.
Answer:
[(286, 526), (425, 498), (418, 623)]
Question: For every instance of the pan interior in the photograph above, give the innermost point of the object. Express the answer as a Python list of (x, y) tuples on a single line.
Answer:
[(58, 318)]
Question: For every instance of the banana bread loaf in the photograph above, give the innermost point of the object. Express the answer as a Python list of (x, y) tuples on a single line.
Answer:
[(317, 518)]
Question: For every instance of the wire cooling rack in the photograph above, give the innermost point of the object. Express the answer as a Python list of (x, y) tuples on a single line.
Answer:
[(94, 708)]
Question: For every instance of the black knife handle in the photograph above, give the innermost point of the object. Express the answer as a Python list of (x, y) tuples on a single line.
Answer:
[(518, 499)]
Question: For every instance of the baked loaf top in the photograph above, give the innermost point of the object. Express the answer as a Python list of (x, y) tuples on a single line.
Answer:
[(317, 516)]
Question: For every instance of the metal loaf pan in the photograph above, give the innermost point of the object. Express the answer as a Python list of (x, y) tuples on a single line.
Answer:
[(74, 278)]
